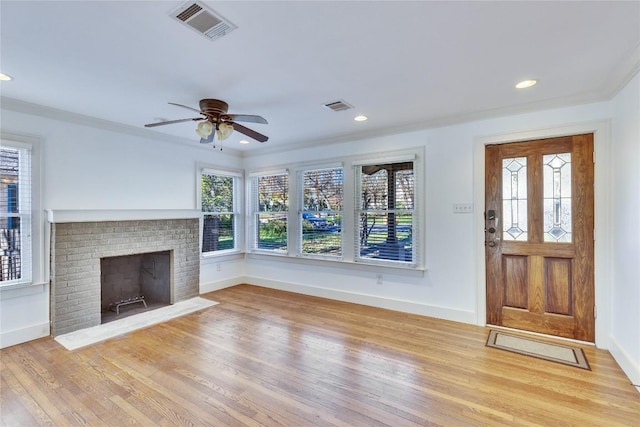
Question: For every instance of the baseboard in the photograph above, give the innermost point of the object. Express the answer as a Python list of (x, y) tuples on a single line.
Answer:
[(629, 366), (221, 284), (365, 299), (19, 336)]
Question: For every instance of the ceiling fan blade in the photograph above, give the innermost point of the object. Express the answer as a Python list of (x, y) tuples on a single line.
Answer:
[(209, 139), (250, 132), (245, 118), (187, 107), (170, 122)]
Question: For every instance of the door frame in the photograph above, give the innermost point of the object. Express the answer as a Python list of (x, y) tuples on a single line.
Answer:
[(602, 210)]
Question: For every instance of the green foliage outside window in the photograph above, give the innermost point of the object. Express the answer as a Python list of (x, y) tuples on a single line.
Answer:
[(217, 204)]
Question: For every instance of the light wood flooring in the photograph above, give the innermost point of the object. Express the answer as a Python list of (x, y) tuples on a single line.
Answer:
[(267, 357)]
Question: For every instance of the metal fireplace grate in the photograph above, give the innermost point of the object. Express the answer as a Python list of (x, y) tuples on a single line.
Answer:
[(133, 300)]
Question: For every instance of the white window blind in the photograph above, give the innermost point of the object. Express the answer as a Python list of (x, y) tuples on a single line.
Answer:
[(219, 195), (15, 214), (270, 208), (386, 215), (321, 212)]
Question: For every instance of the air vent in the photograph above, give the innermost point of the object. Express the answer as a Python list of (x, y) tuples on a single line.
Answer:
[(208, 23), (338, 105)]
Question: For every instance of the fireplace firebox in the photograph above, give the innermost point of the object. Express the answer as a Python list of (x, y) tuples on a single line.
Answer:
[(132, 284)]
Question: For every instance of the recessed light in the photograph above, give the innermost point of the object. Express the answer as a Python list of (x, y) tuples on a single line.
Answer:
[(5, 77), (244, 141), (526, 83), (360, 118)]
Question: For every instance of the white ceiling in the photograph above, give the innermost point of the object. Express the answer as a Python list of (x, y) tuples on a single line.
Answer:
[(406, 65)]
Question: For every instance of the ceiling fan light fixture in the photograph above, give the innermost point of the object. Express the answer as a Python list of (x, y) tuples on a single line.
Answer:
[(224, 131), (204, 129)]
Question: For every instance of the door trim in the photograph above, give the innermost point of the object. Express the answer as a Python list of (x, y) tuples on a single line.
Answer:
[(602, 146)]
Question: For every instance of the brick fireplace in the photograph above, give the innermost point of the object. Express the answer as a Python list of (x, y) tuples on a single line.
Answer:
[(79, 240)]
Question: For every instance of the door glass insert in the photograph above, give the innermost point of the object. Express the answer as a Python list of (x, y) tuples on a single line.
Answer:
[(557, 197), (514, 199)]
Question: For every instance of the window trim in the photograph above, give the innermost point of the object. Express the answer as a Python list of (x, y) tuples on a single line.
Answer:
[(39, 270), (416, 213), (238, 201)]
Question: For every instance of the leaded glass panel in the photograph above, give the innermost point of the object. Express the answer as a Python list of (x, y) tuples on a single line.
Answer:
[(557, 197), (514, 199)]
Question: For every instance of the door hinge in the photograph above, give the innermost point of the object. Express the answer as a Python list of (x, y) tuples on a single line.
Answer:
[(595, 312), (594, 157)]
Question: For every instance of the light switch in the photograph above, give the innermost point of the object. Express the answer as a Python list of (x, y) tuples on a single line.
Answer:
[(462, 207)]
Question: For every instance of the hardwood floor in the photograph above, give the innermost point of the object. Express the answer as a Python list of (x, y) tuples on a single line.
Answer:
[(267, 357)]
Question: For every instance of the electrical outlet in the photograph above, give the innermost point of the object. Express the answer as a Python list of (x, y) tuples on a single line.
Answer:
[(462, 207), (379, 279), (218, 267)]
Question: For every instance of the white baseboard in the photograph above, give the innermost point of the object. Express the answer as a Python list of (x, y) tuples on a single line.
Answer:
[(630, 367), (364, 299), (19, 336), (221, 284)]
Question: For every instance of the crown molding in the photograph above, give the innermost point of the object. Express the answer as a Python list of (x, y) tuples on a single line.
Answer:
[(20, 106)]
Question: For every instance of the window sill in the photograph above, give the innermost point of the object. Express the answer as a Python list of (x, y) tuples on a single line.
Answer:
[(212, 257), (378, 268)]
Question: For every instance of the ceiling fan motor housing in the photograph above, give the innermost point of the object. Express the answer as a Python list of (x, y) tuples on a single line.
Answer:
[(212, 108)]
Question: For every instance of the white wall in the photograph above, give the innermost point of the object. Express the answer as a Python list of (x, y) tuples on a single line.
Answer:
[(90, 164), (625, 322), (451, 287)]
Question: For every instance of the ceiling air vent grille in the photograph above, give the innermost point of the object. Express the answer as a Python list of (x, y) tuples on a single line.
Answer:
[(208, 23), (338, 105)]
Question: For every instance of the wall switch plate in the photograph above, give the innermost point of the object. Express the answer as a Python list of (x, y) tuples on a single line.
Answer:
[(462, 207)]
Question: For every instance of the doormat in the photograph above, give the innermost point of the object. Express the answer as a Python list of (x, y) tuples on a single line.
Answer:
[(567, 355), (92, 335)]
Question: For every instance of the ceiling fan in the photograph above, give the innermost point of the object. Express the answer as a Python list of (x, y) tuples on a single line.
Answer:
[(216, 121)]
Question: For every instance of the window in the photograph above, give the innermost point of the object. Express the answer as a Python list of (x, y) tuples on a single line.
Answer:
[(375, 201), (321, 213), (270, 208), (219, 211), (15, 214), (385, 213)]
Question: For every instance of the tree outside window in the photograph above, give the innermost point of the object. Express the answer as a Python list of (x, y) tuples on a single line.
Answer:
[(322, 211), (386, 212), (270, 201), (219, 217)]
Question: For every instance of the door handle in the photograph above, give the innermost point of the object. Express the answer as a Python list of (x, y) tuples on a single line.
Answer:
[(490, 244)]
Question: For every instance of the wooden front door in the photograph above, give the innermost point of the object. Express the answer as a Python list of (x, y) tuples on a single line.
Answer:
[(539, 225)]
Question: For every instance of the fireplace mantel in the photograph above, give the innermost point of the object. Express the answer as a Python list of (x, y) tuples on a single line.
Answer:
[(97, 215)]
